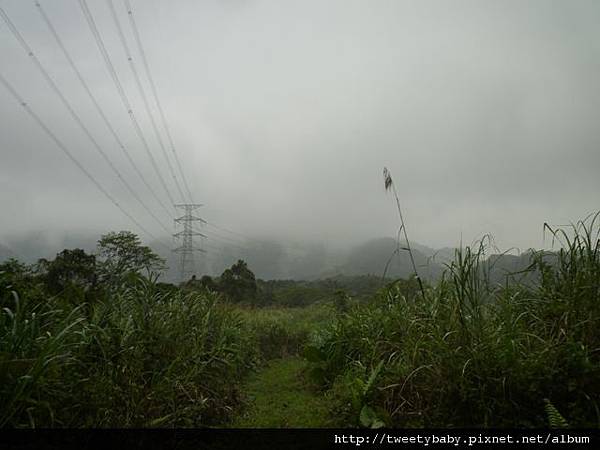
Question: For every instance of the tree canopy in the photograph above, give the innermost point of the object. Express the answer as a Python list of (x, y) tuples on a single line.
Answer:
[(70, 268), (238, 283), (123, 253)]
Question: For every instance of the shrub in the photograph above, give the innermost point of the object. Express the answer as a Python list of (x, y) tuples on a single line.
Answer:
[(469, 353), (144, 357)]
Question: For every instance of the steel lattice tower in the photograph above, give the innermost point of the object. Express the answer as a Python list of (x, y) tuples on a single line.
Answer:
[(187, 249)]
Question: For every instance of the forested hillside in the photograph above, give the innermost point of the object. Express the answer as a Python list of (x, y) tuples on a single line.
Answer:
[(96, 340)]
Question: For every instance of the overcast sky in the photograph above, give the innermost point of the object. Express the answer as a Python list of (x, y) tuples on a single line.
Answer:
[(284, 114)]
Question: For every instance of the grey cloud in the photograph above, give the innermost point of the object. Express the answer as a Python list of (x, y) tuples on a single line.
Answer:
[(284, 114)]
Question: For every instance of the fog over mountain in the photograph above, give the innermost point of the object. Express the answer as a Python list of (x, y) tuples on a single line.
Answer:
[(282, 260), (283, 115)]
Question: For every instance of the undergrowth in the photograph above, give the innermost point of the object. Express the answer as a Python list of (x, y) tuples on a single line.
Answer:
[(140, 359), (472, 354)]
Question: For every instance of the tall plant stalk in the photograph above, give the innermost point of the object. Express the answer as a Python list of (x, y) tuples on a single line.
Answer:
[(389, 185)]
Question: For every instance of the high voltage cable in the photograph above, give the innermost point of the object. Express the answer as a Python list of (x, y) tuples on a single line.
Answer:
[(247, 238), (230, 242), (111, 69), (94, 101), (75, 116), (227, 244), (142, 93), (225, 239), (106, 122), (65, 102), (140, 47), (126, 103), (233, 232), (67, 152), (215, 250), (197, 229)]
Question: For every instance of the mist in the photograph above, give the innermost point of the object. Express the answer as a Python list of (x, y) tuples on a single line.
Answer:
[(284, 114)]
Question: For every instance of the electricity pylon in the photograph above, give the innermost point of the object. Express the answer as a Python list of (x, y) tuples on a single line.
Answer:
[(187, 249)]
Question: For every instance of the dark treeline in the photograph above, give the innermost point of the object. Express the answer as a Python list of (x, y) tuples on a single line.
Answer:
[(94, 340), (471, 352)]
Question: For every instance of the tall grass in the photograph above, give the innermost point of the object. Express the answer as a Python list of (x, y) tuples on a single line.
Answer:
[(142, 358), (280, 332), (35, 341), (463, 352), (388, 183), (468, 353)]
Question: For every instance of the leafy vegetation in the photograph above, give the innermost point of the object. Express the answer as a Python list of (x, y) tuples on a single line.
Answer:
[(237, 284), (471, 353), (96, 341), (141, 356), (279, 332), (281, 396)]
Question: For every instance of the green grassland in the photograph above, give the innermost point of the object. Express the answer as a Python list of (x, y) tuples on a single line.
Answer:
[(100, 343), (280, 395)]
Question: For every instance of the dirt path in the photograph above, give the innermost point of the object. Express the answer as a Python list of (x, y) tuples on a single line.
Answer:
[(281, 397)]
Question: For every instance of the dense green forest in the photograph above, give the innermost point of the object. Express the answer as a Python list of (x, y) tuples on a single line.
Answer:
[(94, 340)]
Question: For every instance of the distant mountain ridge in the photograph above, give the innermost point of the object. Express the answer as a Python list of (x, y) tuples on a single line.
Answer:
[(383, 256), (6, 253), (270, 260)]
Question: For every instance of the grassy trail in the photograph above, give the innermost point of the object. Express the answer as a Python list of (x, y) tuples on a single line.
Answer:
[(281, 397)]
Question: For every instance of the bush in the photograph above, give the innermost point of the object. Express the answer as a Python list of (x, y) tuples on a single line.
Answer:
[(281, 332), (471, 354), (142, 358)]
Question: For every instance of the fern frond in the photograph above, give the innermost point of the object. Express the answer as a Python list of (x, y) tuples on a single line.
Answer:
[(371, 380), (555, 418)]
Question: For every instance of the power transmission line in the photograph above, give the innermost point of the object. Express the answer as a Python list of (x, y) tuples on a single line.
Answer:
[(187, 249), (231, 242), (247, 238), (67, 152), (290, 251), (238, 238), (111, 69), (212, 250), (142, 93), (63, 99), (222, 238), (100, 112), (94, 101), (226, 241), (155, 94)]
